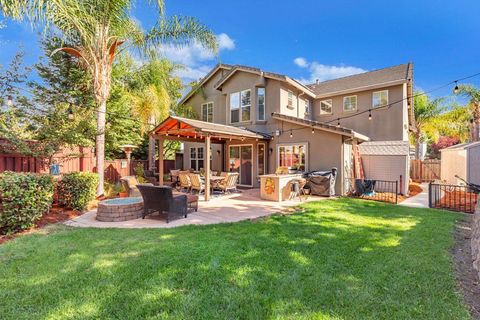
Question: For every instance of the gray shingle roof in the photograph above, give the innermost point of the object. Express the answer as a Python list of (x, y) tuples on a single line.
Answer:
[(385, 148), (371, 78)]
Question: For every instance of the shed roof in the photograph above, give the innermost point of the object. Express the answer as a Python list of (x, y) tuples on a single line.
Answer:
[(385, 148)]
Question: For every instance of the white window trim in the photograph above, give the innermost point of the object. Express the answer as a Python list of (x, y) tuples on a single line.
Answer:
[(305, 144), (323, 113), (213, 110), (356, 103), (264, 157), (290, 92), (196, 157), (240, 119), (380, 91), (264, 104)]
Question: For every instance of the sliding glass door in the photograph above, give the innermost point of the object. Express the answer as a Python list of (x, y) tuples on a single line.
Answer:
[(241, 161)]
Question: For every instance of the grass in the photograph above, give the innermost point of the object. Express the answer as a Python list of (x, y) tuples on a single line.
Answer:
[(338, 259)]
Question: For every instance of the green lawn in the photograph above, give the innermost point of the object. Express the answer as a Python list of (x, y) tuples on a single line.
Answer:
[(339, 259)]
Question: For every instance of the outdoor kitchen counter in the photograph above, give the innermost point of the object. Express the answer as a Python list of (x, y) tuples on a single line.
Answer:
[(276, 187)]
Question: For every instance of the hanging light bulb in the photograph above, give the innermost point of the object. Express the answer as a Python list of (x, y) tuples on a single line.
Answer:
[(178, 136), (230, 139), (313, 130), (9, 101), (456, 90), (291, 134), (70, 112), (369, 114), (166, 134), (338, 123)]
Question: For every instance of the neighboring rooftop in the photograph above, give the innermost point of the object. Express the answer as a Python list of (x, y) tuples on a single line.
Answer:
[(402, 72), (385, 148)]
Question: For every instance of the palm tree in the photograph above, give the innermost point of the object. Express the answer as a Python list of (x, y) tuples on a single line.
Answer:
[(473, 94), (101, 28), (425, 111), (150, 105)]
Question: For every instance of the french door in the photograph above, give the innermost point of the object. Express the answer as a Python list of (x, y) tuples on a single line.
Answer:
[(241, 161)]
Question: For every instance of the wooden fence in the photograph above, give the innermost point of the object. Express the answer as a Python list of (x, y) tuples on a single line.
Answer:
[(425, 170)]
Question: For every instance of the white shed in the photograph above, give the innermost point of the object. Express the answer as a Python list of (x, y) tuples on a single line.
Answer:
[(462, 160), (387, 160)]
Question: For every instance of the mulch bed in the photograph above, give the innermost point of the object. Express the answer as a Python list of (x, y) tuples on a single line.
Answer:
[(460, 200), (56, 214), (467, 278)]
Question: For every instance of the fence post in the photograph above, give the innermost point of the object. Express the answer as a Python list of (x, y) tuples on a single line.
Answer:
[(429, 194), (396, 192)]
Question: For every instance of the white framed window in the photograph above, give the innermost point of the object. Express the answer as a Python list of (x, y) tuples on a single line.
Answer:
[(350, 103), (326, 106), (196, 158), (293, 156), (240, 105), (261, 104), (290, 99), (379, 99), (307, 106), (207, 112)]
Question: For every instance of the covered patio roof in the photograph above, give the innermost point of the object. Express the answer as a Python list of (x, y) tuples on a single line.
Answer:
[(178, 128)]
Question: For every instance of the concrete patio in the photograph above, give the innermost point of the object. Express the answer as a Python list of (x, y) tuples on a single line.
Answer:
[(231, 208)]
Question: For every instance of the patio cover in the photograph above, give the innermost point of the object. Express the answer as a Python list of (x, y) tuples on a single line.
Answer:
[(178, 128)]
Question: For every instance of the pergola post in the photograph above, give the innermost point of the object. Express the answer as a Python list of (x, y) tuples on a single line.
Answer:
[(207, 167), (160, 160)]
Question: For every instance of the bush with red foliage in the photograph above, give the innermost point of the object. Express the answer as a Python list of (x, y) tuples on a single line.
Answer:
[(442, 143)]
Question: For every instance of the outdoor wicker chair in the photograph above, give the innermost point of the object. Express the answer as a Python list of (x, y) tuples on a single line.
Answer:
[(197, 182), (185, 182), (149, 175), (161, 199), (130, 184), (229, 183)]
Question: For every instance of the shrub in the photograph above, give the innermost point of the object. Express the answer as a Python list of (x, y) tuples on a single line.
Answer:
[(140, 173), (24, 198), (77, 189)]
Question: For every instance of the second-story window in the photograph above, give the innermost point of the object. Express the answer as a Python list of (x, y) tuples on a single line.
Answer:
[(261, 103), (290, 100), (326, 106), (379, 99), (240, 104), (307, 106), (207, 112), (350, 103)]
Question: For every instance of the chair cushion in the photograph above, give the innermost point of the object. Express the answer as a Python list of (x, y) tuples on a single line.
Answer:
[(190, 197)]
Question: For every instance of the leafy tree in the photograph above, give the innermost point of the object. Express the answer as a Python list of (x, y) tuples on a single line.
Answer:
[(473, 94), (100, 28), (442, 143), (425, 111), (452, 123)]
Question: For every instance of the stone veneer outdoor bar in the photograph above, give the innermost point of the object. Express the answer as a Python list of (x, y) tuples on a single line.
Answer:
[(121, 209)]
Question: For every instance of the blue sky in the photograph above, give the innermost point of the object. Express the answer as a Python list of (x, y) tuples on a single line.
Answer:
[(318, 39)]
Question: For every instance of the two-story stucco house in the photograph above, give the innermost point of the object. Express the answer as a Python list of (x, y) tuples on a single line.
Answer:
[(305, 127)]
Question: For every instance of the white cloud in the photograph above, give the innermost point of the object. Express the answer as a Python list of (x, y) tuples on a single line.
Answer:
[(301, 62), (197, 60), (324, 72)]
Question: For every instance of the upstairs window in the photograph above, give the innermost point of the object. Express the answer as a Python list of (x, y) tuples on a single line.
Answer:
[(326, 106), (350, 103), (240, 105), (307, 106), (290, 100), (380, 99), (261, 103), (207, 112)]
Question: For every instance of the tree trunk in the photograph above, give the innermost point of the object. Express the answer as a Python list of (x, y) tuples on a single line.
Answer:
[(475, 130), (417, 144), (102, 82), (151, 152)]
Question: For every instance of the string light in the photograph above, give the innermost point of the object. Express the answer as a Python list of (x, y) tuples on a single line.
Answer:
[(166, 134), (178, 136), (456, 90), (291, 134), (338, 123), (9, 101), (369, 114), (313, 130)]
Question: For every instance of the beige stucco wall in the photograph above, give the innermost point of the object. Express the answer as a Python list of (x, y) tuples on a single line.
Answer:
[(386, 124), (387, 168), (453, 162), (473, 169), (297, 108)]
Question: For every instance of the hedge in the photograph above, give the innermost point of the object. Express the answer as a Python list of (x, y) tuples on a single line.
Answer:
[(77, 189), (24, 198)]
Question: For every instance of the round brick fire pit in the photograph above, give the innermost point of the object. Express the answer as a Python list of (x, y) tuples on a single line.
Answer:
[(121, 209)]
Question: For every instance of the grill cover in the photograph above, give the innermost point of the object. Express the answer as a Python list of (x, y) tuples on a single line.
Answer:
[(321, 183)]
